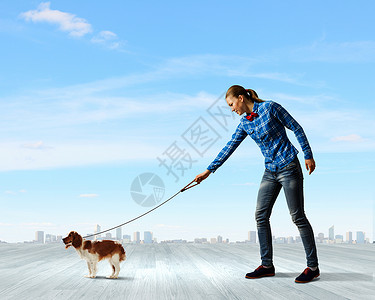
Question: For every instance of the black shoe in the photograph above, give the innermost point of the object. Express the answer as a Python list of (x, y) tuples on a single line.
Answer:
[(307, 275), (261, 272)]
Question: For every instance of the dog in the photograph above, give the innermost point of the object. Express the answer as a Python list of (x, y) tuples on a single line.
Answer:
[(95, 251)]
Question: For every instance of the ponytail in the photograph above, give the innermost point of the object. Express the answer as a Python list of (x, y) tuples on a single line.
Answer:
[(237, 90)]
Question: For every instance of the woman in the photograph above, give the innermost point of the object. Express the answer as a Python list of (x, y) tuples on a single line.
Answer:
[(265, 122)]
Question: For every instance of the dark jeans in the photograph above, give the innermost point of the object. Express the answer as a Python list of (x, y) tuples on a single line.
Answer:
[(291, 179)]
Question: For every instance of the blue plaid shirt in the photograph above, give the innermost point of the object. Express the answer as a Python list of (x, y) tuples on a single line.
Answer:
[(268, 131)]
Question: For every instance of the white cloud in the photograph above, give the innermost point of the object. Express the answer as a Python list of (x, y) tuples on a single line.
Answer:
[(65, 110), (67, 22), (108, 39), (170, 68), (59, 116), (73, 153), (36, 146), (73, 25), (89, 195), (348, 138)]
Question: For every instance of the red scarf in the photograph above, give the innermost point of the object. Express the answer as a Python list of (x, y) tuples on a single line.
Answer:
[(252, 116)]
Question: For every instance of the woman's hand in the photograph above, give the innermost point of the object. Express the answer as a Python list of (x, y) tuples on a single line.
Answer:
[(202, 176), (310, 165)]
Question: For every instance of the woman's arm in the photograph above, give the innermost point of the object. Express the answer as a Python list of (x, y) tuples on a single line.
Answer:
[(289, 122), (202, 176), (238, 136)]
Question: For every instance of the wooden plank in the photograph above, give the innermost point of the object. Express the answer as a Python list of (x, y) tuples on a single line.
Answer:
[(185, 271)]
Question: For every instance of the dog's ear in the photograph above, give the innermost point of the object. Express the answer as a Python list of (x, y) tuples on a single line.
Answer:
[(77, 240)]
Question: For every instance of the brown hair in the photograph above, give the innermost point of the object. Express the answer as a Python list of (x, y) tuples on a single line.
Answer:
[(249, 94)]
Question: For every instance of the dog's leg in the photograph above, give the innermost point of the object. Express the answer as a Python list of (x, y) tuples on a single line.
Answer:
[(116, 264), (94, 269), (117, 267), (113, 268), (90, 270)]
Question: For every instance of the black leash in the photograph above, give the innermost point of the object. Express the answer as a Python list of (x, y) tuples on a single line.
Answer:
[(180, 191)]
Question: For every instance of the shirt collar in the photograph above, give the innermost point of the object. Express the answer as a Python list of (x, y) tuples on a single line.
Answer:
[(255, 107)]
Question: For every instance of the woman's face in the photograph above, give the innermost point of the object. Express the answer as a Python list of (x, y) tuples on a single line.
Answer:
[(237, 104)]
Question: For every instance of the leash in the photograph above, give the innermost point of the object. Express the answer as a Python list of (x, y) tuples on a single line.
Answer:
[(180, 191)]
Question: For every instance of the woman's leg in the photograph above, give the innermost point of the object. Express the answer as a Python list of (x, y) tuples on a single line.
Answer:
[(291, 178), (268, 191)]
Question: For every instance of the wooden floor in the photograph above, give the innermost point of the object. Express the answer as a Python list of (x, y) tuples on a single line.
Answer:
[(186, 271)]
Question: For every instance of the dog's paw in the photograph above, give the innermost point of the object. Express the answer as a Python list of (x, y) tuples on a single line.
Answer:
[(89, 276), (112, 277)]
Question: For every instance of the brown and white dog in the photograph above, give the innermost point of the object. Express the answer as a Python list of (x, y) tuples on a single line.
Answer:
[(95, 251)]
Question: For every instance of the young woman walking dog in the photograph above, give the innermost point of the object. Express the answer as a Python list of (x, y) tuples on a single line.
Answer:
[(265, 122)]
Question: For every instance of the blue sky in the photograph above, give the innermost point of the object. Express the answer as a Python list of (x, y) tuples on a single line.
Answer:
[(93, 92)]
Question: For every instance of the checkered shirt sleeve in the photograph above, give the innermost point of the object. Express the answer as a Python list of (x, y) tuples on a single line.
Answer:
[(289, 122), (238, 136)]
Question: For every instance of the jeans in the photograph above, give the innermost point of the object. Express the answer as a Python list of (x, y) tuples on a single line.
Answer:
[(291, 179)]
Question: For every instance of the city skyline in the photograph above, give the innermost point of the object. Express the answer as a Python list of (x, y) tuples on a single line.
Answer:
[(148, 237)]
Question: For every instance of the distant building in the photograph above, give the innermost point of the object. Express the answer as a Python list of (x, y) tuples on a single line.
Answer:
[(137, 237), (108, 235), (126, 238), (349, 237), (147, 237), (321, 237), (339, 238), (213, 241), (252, 236), (97, 229), (50, 238), (298, 239), (280, 240), (118, 233), (331, 233), (90, 238), (219, 239), (39, 237), (200, 240), (360, 237), (290, 240)]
